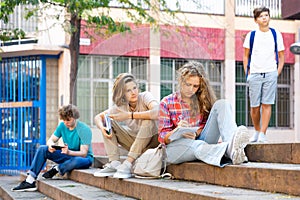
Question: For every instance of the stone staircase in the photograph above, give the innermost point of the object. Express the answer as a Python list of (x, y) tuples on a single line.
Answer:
[(273, 172)]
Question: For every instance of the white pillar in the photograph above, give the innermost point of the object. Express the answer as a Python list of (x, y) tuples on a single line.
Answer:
[(229, 72), (154, 59), (64, 78)]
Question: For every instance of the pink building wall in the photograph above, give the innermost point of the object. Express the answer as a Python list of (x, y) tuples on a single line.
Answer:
[(176, 42)]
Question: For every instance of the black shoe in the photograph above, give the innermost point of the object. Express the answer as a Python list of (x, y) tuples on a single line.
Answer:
[(49, 174), (25, 186)]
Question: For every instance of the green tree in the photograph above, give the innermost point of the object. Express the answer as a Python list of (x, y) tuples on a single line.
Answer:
[(78, 10)]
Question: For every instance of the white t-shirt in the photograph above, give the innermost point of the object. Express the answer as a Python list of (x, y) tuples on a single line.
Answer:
[(263, 58), (143, 104)]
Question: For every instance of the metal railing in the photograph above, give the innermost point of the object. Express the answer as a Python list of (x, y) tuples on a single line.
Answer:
[(217, 7), (245, 7), (22, 108)]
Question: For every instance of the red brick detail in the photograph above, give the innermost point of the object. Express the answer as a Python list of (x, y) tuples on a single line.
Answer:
[(135, 43), (176, 42), (193, 42), (98, 149)]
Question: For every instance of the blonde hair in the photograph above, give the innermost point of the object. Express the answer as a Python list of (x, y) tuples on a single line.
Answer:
[(205, 97), (119, 88)]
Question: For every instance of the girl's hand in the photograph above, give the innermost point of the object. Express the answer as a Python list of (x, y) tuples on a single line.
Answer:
[(121, 115), (183, 123), (166, 139), (105, 134), (99, 120)]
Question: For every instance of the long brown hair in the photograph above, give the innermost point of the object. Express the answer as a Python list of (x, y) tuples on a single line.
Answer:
[(119, 88), (205, 97)]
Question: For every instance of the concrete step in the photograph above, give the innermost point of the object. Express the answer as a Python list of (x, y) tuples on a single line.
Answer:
[(270, 177), (274, 153), (275, 174), (170, 189), (61, 187), (71, 190), (271, 153), (273, 168), (8, 182)]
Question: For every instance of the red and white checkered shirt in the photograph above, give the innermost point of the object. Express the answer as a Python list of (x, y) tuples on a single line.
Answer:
[(172, 110)]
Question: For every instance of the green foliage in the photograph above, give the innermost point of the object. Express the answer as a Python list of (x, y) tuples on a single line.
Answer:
[(107, 24), (73, 11), (137, 11), (6, 35)]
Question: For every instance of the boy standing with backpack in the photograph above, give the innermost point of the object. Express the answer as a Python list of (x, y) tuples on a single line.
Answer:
[(263, 62)]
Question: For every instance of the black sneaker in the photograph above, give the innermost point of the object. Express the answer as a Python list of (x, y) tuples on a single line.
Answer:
[(49, 174), (25, 186)]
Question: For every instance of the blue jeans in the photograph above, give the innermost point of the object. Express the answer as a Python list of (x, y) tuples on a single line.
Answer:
[(220, 123), (66, 162)]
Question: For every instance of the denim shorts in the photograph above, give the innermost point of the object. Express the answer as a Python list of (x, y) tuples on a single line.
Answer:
[(262, 88)]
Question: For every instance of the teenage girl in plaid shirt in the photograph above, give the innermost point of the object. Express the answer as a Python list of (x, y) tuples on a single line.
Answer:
[(195, 105)]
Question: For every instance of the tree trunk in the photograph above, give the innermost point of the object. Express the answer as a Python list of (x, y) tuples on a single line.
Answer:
[(74, 54)]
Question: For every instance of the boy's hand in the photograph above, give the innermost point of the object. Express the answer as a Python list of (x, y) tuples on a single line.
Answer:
[(65, 149)]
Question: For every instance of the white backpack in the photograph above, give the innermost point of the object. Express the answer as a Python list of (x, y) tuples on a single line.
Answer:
[(152, 163)]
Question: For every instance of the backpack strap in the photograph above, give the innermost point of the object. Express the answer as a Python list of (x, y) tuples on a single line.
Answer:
[(275, 42), (252, 35), (162, 176)]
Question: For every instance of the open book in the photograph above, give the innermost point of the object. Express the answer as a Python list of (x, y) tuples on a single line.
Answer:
[(107, 123), (177, 134)]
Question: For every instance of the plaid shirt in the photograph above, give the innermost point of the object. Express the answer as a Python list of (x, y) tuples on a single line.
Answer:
[(172, 110)]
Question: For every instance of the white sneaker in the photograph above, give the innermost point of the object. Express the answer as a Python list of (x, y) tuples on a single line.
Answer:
[(262, 138), (239, 142), (124, 170), (109, 169), (254, 137)]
